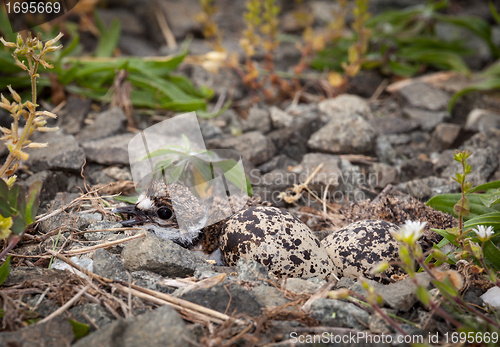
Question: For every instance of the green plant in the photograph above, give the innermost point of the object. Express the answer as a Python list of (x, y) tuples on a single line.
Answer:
[(17, 211), (211, 30), (404, 42), (489, 79), (473, 210), (153, 83), (34, 51)]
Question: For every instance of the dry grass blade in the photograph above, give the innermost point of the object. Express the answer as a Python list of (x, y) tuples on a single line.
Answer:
[(65, 306), (321, 293), (103, 245), (194, 314), (176, 302)]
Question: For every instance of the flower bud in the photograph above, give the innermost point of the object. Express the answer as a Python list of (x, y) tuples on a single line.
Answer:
[(19, 40), (7, 44), (16, 96)]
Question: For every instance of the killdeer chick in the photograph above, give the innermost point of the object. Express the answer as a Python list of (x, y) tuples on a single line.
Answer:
[(259, 232), (155, 208)]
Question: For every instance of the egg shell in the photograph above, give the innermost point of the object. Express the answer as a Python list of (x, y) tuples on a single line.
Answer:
[(359, 246), (276, 239)]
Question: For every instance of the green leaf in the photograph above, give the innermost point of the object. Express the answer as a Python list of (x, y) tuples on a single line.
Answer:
[(208, 115), (494, 12), (128, 199), (445, 203), (476, 25), (5, 26), (450, 237), (446, 288), (423, 295), (487, 186), (13, 194), (187, 86), (32, 202), (403, 69), (5, 270), (5, 209), (490, 199), (489, 219), (489, 84), (435, 57), (79, 329), (492, 254), (18, 224), (108, 39)]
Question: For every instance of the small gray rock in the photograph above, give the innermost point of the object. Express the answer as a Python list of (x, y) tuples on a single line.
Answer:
[(98, 313), (57, 332), (109, 265), (384, 150), (63, 153), (292, 140), (251, 271), (330, 173), (382, 174), (258, 119), (415, 168), (270, 296), (394, 125), (445, 135), (75, 112), (423, 95), (162, 327), (220, 296), (301, 286), (399, 295), (109, 151), (281, 161), (161, 256), (428, 119), (482, 120), (210, 131), (426, 188), (52, 183), (106, 124), (345, 106), (252, 146), (280, 118), (344, 135), (336, 313)]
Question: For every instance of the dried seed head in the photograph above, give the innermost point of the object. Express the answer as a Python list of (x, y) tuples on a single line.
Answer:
[(30, 106), (53, 48), (7, 44), (37, 145), (16, 96), (46, 65), (19, 41), (19, 63), (47, 129), (47, 114), (50, 43)]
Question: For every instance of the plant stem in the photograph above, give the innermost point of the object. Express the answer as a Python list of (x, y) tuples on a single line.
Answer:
[(12, 243), (10, 159)]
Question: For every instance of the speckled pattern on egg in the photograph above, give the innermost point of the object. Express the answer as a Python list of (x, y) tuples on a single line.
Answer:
[(276, 239), (358, 247)]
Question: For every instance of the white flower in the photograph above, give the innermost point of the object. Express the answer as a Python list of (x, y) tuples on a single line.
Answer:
[(483, 233), (411, 231)]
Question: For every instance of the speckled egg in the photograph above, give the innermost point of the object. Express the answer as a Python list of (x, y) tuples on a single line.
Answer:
[(276, 239), (358, 247)]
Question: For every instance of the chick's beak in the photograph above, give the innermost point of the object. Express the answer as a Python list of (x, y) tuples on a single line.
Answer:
[(139, 216)]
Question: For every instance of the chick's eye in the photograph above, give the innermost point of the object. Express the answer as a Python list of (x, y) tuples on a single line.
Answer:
[(164, 213)]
